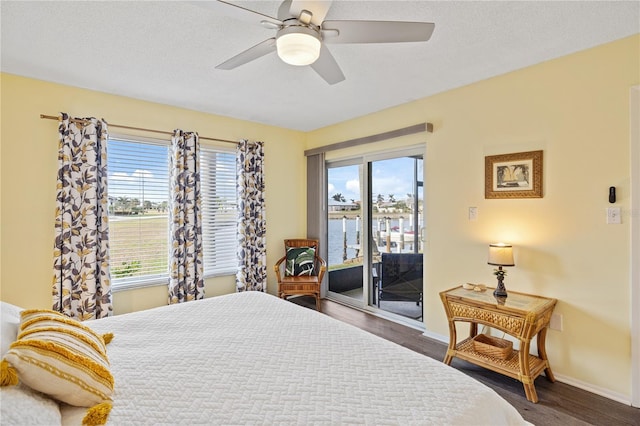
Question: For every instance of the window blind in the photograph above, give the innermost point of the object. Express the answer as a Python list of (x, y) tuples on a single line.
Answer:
[(219, 211), (139, 203), (138, 187)]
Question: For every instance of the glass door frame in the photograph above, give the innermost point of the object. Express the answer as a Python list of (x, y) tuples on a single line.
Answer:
[(363, 161), (360, 162)]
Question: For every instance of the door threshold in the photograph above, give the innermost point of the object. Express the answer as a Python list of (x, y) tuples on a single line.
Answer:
[(381, 313)]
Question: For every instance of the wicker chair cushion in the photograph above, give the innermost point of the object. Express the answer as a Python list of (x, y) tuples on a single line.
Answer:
[(300, 261)]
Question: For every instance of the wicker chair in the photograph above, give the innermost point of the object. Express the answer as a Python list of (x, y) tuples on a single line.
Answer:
[(290, 284)]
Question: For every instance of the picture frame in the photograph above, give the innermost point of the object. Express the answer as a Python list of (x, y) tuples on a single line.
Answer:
[(517, 175)]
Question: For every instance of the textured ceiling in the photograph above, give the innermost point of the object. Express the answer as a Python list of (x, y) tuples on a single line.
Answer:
[(166, 52)]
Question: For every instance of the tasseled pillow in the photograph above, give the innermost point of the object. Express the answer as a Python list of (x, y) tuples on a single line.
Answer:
[(64, 359)]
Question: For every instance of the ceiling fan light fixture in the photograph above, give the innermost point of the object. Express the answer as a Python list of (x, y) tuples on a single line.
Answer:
[(298, 45)]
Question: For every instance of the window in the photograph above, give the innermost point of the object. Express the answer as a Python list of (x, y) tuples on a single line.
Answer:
[(219, 211), (139, 211)]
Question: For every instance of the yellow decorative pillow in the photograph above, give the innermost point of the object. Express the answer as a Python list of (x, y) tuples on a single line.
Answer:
[(63, 358)]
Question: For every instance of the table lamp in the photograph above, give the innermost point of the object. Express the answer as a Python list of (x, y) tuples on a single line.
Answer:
[(500, 255)]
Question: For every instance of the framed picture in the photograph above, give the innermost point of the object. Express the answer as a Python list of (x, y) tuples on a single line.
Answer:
[(517, 175)]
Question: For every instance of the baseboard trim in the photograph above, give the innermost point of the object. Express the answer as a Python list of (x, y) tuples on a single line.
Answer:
[(436, 336), (606, 393)]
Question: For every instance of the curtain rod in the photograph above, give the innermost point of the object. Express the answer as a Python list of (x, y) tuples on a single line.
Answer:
[(54, 117)]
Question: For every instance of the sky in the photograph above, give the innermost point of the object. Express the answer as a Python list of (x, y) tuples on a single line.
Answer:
[(141, 170), (393, 176), (147, 175), (138, 170)]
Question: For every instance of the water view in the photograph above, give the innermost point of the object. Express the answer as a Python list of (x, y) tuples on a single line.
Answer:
[(336, 249)]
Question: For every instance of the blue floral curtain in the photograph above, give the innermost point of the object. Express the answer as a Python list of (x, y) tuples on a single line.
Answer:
[(252, 244), (82, 283), (186, 271)]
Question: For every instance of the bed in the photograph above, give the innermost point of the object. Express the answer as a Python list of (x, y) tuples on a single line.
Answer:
[(251, 358)]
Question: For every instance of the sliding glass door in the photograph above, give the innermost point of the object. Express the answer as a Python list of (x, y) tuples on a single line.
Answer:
[(344, 229), (375, 232), (397, 201)]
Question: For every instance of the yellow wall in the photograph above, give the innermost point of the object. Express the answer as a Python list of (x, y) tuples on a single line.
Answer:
[(29, 163), (575, 109)]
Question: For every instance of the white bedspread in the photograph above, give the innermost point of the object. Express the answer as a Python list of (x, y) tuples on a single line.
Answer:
[(251, 358)]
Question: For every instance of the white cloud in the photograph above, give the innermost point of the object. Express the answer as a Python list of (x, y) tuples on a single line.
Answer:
[(353, 186), (120, 176), (133, 177), (142, 184), (146, 174)]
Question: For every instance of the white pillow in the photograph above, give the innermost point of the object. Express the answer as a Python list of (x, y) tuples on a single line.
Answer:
[(10, 322), (24, 406)]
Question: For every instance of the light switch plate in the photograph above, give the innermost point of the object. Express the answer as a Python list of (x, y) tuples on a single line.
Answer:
[(613, 216), (473, 214)]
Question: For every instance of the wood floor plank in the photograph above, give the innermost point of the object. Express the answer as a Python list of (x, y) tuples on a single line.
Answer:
[(559, 403)]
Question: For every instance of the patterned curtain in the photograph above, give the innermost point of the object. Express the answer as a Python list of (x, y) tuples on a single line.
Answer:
[(186, 277), (252, 244), (82, 283)]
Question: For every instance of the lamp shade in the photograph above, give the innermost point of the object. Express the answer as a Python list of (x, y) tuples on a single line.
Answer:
[(298, 45), (500, 254)]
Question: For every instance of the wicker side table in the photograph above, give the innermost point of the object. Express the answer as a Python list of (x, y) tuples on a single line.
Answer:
[(522, 316)]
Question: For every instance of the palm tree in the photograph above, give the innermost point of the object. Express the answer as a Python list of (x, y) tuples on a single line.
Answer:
[(339, 197)]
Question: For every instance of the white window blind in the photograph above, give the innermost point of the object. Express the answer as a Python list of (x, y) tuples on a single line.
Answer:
[(219, 211), (139, 211), (138, 186)]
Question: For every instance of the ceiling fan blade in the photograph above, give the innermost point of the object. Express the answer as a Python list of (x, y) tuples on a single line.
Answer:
[(249, 55), (378, 31), (327, 67), (318, 8), (236, 12)]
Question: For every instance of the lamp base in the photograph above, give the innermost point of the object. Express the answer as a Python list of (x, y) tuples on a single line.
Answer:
[(500, 291)]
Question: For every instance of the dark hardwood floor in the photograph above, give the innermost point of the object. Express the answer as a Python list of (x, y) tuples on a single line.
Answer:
[(559, 403)]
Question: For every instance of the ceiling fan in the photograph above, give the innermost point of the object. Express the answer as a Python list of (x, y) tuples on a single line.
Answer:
[(301, 34)]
